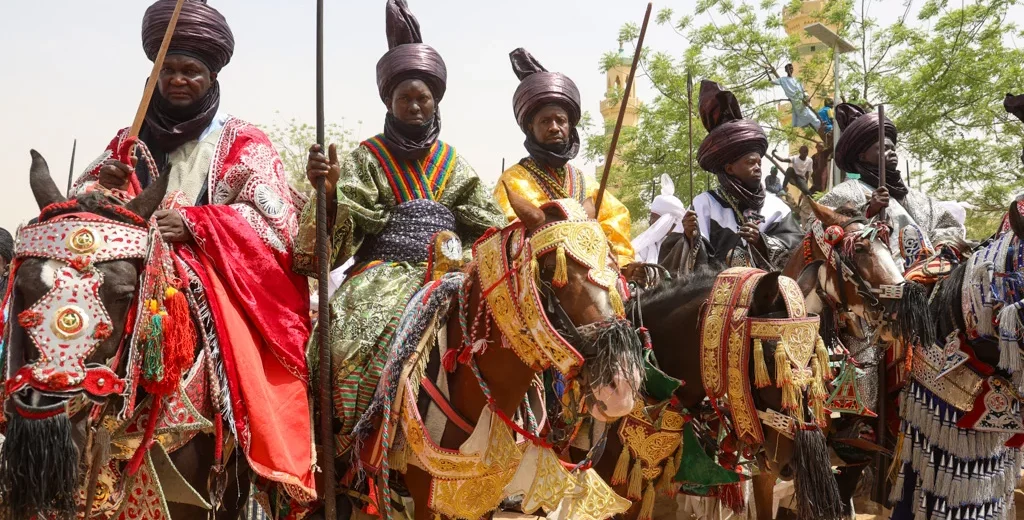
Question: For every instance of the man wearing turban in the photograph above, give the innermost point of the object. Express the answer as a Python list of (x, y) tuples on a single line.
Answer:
[(738, 223), (232, 217), (919, 221), (388, 198), (547, 108)]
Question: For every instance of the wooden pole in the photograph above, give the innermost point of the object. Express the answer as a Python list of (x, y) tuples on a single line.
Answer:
[(622, 110), (154, 75), (882, 466), (689, 118), (71, 169), (325, 386)]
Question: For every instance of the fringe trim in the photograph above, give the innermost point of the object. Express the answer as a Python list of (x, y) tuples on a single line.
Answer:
[(1010, 331)]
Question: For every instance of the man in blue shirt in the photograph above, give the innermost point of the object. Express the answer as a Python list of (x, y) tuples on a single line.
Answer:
[(826, 116)]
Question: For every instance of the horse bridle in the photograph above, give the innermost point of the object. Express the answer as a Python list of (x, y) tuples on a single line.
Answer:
[(70, 321), (828, 241)]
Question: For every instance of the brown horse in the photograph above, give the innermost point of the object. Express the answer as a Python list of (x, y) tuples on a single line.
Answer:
[(672, 315), (578, 305), (854, 281), (52, 434)]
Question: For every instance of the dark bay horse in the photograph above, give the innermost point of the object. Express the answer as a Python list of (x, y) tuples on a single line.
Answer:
[(562, 304), (671, 313), (58, 423)]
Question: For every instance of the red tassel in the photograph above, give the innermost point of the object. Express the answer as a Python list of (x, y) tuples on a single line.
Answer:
[(179, 341), (218, 432), (466, 355), (449, 359), (147, 439), (731, 495)]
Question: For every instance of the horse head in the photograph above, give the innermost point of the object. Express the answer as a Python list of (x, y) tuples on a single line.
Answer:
[(70, 298), (847, 261), (577, 279)]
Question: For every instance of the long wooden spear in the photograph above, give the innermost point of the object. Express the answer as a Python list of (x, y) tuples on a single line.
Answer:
[(71, 169), (622, 110), (326, 455), (883, 367), (689, 119), (154, 75)]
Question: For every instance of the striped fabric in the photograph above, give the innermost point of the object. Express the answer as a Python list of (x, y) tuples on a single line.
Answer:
[(352, 394), (410, 180)]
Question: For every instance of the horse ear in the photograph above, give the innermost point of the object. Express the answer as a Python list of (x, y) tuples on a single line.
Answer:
[(823, 213), (808, 279), (530, 215), (767, 292), (147, 202), (1016, 219), (44, 189), (588, 206)]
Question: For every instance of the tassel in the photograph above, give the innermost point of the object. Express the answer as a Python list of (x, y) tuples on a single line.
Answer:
[(897, 462), (615, 300), (822, 354), (621, 468), (448, 361), (784, 379), (399, 459), (561, 268), (817, 396), (671, 468), (636, 482), (761, 378), (1009, 339), (647, 505), (178, 341)]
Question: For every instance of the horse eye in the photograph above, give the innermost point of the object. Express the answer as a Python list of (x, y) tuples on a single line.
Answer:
[(860, 248)]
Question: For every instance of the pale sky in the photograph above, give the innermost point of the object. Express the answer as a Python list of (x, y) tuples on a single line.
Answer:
[(76, 69)]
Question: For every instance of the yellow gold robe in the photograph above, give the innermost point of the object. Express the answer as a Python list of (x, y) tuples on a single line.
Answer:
[(540, 185)]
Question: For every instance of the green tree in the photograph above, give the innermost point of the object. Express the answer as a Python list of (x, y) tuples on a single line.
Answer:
[(942, 78), (293, 139)]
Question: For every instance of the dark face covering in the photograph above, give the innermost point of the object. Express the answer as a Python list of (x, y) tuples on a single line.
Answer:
[(167, 127), (743, 196), (555, 155), (411, 142)]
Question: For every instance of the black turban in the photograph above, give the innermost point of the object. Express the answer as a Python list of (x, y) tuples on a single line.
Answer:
[(538, 87), (858, 131), (730, 136), (201, 32), (6, 246), (408, 57)]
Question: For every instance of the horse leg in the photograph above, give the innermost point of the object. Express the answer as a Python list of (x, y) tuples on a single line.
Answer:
[(764, 495), (193, 461), (417, 482)]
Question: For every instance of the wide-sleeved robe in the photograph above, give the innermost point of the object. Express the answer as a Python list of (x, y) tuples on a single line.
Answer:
[(717, 222), (540, 185), (233, 195), (368, 305)]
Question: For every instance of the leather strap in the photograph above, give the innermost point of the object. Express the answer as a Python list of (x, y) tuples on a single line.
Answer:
[(446, 407)]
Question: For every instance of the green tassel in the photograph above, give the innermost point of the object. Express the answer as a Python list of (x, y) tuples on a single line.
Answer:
[(153, 361)]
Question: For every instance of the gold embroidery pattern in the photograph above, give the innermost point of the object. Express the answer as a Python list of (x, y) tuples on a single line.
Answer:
[(468, 499), (598, 501), (551, 483), (651, 445), (712, 331)]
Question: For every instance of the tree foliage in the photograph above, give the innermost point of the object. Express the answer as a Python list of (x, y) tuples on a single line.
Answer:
[(293, 139), (941, 75)]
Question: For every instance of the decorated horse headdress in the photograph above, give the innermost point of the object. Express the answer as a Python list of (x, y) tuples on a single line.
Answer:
[(729, 337)]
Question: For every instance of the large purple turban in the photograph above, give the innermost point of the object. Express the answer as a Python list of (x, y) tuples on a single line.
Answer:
[(408, 57), (859, 130), (201, 32), (538, 87), (730, 136)]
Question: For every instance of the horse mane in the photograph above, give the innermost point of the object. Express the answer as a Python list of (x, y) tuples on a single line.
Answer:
[(94, 202), (665, 297)]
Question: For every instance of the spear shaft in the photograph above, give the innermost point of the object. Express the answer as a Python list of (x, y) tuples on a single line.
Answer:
[(689, 118), (883, 367), (71, 169), (622, 110), (324, 313)]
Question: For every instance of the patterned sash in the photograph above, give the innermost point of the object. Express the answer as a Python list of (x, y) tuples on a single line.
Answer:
[(556, 183), (422, 179)]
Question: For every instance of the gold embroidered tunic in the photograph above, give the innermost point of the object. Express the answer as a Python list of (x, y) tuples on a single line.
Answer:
[(540, 185)]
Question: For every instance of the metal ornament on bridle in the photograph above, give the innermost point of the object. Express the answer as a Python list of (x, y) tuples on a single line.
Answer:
[(70, 321)]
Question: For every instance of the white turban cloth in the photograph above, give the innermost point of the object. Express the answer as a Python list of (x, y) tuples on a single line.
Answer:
[(670, 211)]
